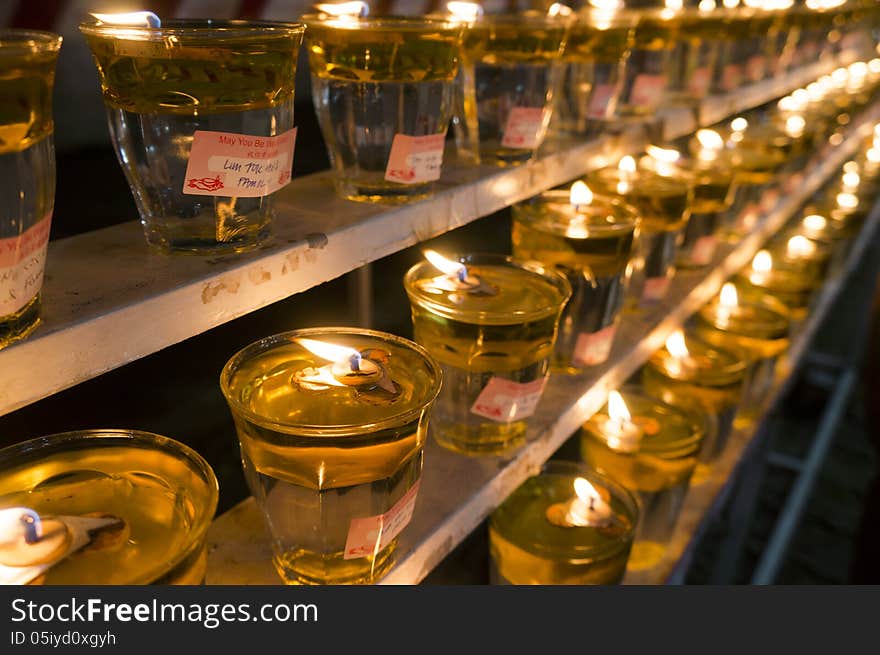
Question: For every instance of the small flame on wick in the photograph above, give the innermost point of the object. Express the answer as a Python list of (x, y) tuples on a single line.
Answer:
[(329, 351), (617, 409), (815, 223), (580, 194), (851, 167), (353, 9), (851, 179), (763, 261), (667, 155), (728, 296), (444, 265), (626, 164), (130, 19), (847, 200), (559, 9), (710, 139), (676, 345), (794, 125), (464, 11), (800, 246), (739, 124), (584, 490)]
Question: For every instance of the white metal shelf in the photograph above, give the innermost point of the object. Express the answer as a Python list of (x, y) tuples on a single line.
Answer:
[(109, 300), (458, 492)]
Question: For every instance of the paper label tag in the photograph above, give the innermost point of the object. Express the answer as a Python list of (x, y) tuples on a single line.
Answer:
[(699, 82), (599, 101), (756, 66), (730, 77), (703, 250), (228, 164), (655, 288), (506, 401), (748, 217), (524, 128), (415, 159), (22, 262), (371, 534), (648, 90), (769, 199), (593, 348), (793, 182)]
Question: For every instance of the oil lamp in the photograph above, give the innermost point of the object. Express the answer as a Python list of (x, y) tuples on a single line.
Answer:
[(792, 286)]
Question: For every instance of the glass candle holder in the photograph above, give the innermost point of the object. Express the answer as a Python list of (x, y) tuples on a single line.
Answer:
[(792, 286), (510, 71), (332, 423), (797, 252), (590, 243), (593, 73), (567, 525), (663, 204), (201, 115), (384, 91), (703, 378), (653, 453), (491, 322), (728, 74), (756, 66), (696, 54), (27, 175), (846, 211), (122, 507), (649, 67), (756, 331), (829, 236)]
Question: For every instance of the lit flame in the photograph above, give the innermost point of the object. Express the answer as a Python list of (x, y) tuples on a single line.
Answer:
[(617, 409), (710, 139), (674, 5), (442, 264), (353, 9), (839, 76), (739, 124), (794, 125), (607, 5), (627, 165), (580, 194), (763, 262), (815, 223), (800, 246), (847, 201), (559, 9), (728, 297), (676, 346), (874, 65), (858, 69), (667, 155), (873, 155), (706, 5), (584, 490), (816, 91), (132, 19), (329, 351), (851, 179), (730, 4), (850, 167), (464, 11)]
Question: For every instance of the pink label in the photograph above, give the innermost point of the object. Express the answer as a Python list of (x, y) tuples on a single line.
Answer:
[(524, 128), (730, 77), (228, 164), (703, 250), (22, 262), (593, 348), (370, 535), (793, 182), (415, 159), (648, 90), (699, 82), (506, 401), (748, 217), (602, 94), (655, 288), (769, 199), (756, 66)]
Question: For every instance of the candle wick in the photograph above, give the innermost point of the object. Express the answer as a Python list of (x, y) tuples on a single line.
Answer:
[(355, 362), (592, 502), (462, 273)]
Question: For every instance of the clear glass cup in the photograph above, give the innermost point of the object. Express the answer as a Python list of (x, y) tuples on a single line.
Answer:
[(650, 64), (696, 55), (201, 114), (493, 335), (595, 58), (163, 493), (510, 69), (332, 448), (27, 175), (384, 91)]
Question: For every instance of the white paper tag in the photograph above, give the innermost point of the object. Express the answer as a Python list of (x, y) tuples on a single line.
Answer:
[(703, 250), (599, 100), (370, 535), (227, 164), (655, 288), (699, 82), (769, 199), (730, 77), (506, 401), (22, 262), (524, 128), (648, 90), (415, 159), (593, 348), (756, 67)]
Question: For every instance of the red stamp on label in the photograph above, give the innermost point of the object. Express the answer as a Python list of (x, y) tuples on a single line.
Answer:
[(506, 401), (524, 128), (238, 165), (648, 90), (370, 535), (415, 159), (593, 348), (655, 289), (22, 263), (703, 250)]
